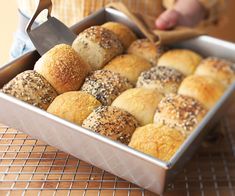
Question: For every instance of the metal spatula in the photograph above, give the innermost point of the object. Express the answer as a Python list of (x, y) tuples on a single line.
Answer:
[(50, 33)]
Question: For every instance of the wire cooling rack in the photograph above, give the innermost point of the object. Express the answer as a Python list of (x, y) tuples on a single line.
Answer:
[(30, 167)]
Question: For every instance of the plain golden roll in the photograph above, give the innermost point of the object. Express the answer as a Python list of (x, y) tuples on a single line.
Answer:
[(62, 68), (220, 69), (97, 46), (73, 106), (129, 66), (105, 85), (124, 33), (140, 102), (31, 87), (180, 112), (183, 60), (164, 79), (202, 88), (159, 141), (115, 123), (147, 50)]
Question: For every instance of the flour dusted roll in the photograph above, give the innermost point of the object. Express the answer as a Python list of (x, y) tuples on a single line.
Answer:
[(147, 50), (31, 87), (203, 88), (220, 69), (105, 85), (180, 112), (124, 33), (115, 123), (129, 66), (139, 102), (97, 46), (164, 79), (62, 68), (183, 60), (73, 106), (159, 141)]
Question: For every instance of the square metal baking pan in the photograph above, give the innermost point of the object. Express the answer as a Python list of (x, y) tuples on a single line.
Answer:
[(116, 158)]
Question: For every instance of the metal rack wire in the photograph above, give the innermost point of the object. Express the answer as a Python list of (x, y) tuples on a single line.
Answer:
[(30, 167)]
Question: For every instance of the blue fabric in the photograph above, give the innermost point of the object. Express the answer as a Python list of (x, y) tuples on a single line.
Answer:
[(21, 45)]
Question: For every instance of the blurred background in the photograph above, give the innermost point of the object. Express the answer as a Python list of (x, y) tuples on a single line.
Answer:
[(8, 21)]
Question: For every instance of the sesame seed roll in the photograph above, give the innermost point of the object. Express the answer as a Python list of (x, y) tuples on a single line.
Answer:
[(164, 79), (115, 123), (105, 85), (97, 46), (179, 112), (31, 87)]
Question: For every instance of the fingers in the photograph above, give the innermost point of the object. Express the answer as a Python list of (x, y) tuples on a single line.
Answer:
[(184, 12), (167, 19)]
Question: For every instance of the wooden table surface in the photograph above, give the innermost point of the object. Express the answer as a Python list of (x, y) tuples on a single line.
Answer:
[(30, 167)]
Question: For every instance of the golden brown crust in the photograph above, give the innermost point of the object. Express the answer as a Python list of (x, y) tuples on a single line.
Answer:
[(105, 85), (164, 79), (202, 88), (129, 66), (147, 50), (180, 112), (183, 60), (63, 68), (112, 122), (220, 69), (124, 33), (158, 141), (139, 102), (73, 106), (31, 87), (97, 46)]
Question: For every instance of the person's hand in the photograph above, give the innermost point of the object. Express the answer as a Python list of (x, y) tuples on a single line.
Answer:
[(184, 12)]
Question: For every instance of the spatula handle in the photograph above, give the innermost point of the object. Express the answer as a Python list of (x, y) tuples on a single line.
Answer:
[(42, 5)]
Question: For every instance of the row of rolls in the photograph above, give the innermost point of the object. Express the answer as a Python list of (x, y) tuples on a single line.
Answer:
[(128, 89)]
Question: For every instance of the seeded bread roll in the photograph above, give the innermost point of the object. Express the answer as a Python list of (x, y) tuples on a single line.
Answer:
[(105, 85), (62, 68), (129, 66), (180, 112), (220, 69), (158, 141), (97, 46), (112, 122), (183, 60), (124, 33), (202, 88), (73, 106), (31, 87), (164, 79), (147, 50), (139, 102)]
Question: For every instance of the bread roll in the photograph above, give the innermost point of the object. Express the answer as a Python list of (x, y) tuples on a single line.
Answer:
[(97, 46), (124, 33), (180, 112), (105, 85), (139, 102), (220, 69), (129, 66), (62, 68), (202, 88), (112, 122), (158, 141), (183, 60), (31, 87), (73, 106), (164, 79), (147, 50)]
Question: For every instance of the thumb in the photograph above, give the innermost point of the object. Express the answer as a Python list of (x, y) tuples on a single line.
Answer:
[(167, 19)]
